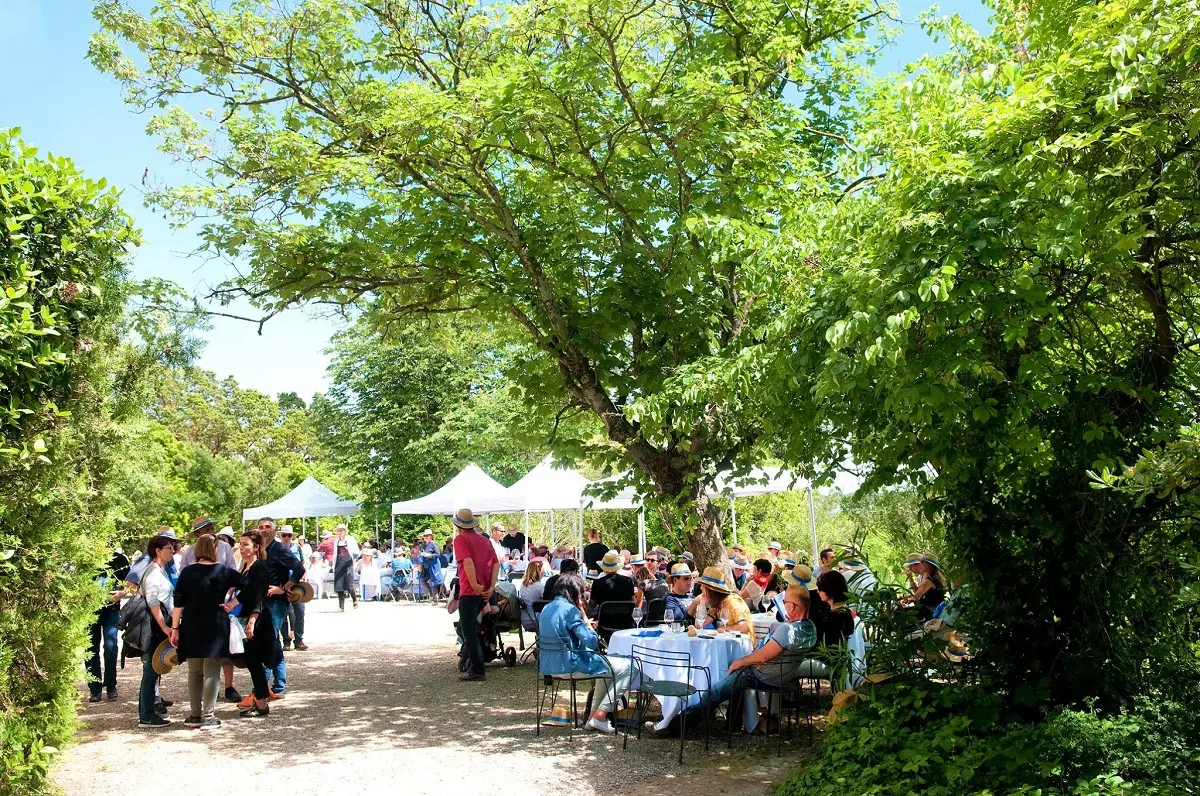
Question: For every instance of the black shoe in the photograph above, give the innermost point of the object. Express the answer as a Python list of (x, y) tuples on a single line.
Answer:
[(210, 724), (158, 722), (300, 645), (94, 698), (166, 703), (112, 695), (472, 676), (160, 710), (287, 647), (192, 722), (232, 695)]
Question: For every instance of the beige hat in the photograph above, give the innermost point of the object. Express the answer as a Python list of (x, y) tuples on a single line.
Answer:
[(611, 562), (465, 519), (714, 579)]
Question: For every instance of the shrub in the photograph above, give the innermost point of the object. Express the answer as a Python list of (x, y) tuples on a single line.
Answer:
[(62, 239), (913, 737)]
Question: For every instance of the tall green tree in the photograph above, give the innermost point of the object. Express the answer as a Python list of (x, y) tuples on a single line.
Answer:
[(1011, 305), (597, 176)]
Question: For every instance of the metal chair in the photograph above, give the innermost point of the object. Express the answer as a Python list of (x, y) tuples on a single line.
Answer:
[(612, 616), (787, 683), (655, 609), (547, 681), (648, 687)]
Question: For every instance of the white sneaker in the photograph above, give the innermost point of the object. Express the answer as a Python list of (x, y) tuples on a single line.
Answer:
[(601, 726)]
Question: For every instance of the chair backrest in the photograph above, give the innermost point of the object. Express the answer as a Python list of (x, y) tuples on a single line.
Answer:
[(661, 657), (655, 609), (614, 615)]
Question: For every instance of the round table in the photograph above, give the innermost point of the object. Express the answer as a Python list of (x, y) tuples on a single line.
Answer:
[(714, 654)]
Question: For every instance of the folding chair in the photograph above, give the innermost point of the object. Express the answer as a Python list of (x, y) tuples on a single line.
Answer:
[(648, 687)]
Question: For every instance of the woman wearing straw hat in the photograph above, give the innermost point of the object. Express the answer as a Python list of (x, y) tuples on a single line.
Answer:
[(718, 607), (931, 586), (262, 642)]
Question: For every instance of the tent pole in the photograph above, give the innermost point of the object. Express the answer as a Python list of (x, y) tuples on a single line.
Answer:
[(812, 519), (527, 556), (642, 532), (393, 534), (733, 510)]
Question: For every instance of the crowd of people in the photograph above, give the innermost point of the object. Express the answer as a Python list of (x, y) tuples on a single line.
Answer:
[(580, 607), (221, 601)]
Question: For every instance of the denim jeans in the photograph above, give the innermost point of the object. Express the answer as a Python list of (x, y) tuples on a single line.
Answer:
[(278, 674), (104, 635), (468, 626), (146, 697), (296, 613), (721, 691)]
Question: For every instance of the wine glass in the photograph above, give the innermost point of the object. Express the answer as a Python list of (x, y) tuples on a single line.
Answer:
[(669, 618), (638, 613)]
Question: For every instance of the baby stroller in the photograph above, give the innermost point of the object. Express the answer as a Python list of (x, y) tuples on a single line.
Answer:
[(493, 627)]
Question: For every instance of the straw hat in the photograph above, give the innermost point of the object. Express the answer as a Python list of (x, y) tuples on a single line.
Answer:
[(786, 558), (714, 579), (465, 519), (776, 546), (427, 532), (559, 717), (740, 562), (300, 592), (921, 558), (612, 561), (326, 534), (202, 524), (661, 552), (165, 658), (227, 532), (637, 561), (800, 576), (680, 570)]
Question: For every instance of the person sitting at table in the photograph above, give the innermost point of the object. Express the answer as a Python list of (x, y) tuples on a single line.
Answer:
[(755, 669), (679, 597), (611, 587), (649, 587), (532, 589), (930, 589), (718, 607), (834, 622), (562, 621), (567, 565)]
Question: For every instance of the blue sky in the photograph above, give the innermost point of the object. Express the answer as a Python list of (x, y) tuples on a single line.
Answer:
[(64, 106)]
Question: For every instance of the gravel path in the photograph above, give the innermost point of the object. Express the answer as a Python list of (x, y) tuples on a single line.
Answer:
[(375, 706)]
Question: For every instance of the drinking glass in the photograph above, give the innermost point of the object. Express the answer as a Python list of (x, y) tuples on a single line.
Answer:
[(638, 613), (669, 619)]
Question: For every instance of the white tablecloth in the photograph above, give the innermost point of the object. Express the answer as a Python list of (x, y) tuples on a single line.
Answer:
[(714, 654)]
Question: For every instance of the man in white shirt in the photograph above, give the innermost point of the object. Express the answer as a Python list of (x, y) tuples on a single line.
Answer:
[(497, 538)]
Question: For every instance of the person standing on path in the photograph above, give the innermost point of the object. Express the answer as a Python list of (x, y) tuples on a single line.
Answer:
[(293, 622), (160, 598), (104, 630), (263, 651), (226, 558), (201, 633), (478, 569), (345, 550), (283, 572), (431, 565)]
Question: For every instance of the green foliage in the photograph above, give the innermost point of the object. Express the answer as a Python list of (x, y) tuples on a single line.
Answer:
[(62, 242), (602, 181), (914, 737), (1009, 304)]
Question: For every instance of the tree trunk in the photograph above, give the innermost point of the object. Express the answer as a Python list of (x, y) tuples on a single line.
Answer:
[(705, 538)]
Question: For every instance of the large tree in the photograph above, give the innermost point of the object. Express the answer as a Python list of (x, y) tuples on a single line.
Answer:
[(1011, 310), (596, 175)]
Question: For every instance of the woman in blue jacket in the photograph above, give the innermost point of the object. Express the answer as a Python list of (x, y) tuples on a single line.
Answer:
[(562, 620)]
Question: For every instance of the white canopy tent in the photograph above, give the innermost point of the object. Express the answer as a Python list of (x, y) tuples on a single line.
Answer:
[(766, 481), (310, 499), (471, 489), (625, 498), (547, 488)]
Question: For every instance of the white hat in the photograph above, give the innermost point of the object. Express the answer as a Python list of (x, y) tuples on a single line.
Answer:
[(226, 531), (776, 546)]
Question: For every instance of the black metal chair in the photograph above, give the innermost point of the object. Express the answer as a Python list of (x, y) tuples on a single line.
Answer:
[(655, 609), (787, 684), (648, 687), (612, 616), (545, 682)]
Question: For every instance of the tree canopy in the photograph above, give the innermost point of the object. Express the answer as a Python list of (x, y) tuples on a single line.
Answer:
[(599, 178)]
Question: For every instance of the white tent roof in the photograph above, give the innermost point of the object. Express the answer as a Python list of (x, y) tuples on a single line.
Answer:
[(471, 489), (759, 481), (545, 488), (626, 498), (310, 499)]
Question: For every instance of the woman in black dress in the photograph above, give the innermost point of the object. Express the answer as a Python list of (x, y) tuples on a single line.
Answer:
[(202, 634), (262, 642)]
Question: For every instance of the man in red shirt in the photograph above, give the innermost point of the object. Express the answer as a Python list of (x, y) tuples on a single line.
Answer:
[(478, 569)]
